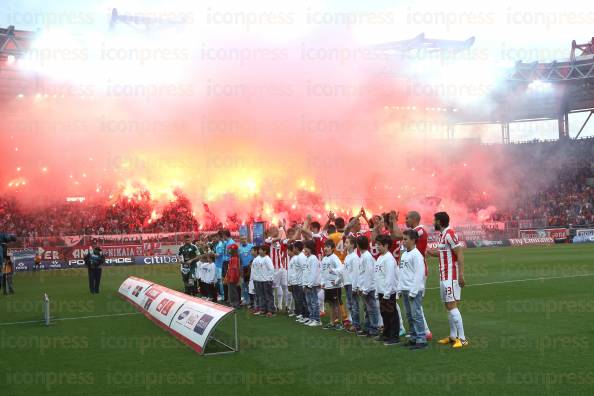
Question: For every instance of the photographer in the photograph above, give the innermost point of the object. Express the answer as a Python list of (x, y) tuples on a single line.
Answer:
[(4, 239), (94, 260), (8, 270)]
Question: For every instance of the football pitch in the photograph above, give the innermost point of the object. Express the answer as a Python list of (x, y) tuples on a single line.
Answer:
[(528, 313)]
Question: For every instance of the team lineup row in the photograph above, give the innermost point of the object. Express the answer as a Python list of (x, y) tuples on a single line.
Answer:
[(314, 270)]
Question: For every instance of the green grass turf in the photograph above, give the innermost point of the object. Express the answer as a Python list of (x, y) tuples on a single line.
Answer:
[(533, 337)]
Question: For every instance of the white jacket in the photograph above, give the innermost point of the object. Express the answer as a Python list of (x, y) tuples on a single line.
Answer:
[(386, 275), (331, 268), (301, 268), (351, 270), (293, 272), (412, 272), (265, 269), (311, 275), (209, 273), (366, 278), (255, 271), (198, 271)]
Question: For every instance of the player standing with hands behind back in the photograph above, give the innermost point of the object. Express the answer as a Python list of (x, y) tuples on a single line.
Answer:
[(451, 277)]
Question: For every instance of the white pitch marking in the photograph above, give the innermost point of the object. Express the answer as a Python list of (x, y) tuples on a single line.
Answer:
[(429, 288), (75, 318), (521, 280)]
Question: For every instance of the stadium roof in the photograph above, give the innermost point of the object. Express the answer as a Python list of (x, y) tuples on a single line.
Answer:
[(14, 44), (541, 91)]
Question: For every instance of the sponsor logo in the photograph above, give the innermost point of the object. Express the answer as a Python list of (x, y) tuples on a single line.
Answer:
[(148, 303), (137, 291), (556, 233), (119, 260), (583, 238), (485, 243), (532, 241), (585, 233), (21, 267), (153, 292), (203, 323), (78, 262), (182, 315), (161, 260)]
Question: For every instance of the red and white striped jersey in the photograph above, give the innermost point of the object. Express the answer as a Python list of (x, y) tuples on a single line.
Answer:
[(394, 247), (357, 235), (278, 253), (320, 239), (448, 262), (421, 243)]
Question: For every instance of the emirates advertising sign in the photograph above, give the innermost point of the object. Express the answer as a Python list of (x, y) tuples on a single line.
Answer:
[(189, 319)]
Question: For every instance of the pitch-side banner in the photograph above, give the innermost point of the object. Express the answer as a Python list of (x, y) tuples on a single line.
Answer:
[(133, 289), (189, 319), (164, 304), (584, 232), (531, 241), (555, 233)]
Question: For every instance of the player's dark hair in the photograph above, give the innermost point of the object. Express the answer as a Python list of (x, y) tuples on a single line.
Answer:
[(315, 224), (363, 242), (411, 234), (384, 240), (339, 222), (443, 218), (330, 242), (264, 248), (353, 240), (298, 245), (311, 245), (331, 229), (227, 233), (187, 236)]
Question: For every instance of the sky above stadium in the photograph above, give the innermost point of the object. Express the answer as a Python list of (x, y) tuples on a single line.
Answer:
[(511, 30), (505, 31)]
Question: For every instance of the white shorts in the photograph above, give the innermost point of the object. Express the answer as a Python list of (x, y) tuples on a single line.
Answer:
[(280, 278), (450, 291)]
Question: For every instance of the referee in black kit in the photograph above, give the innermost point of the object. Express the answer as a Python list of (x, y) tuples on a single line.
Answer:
[(94, 260)]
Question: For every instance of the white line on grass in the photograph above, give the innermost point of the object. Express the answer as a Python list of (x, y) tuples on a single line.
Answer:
[(75, 318), (429, 288), (521, 280)]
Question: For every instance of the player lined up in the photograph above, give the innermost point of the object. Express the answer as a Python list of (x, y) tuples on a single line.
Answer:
[(308, 266)]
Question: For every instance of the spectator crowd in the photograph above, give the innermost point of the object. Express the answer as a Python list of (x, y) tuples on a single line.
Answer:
[(547, 183)]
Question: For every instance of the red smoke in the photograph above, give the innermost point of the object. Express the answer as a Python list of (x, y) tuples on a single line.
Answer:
[(281, 132)]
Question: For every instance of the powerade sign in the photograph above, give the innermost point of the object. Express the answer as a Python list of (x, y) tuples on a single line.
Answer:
[(27, 264), (108, 261), (76, 263), (119, 261)]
